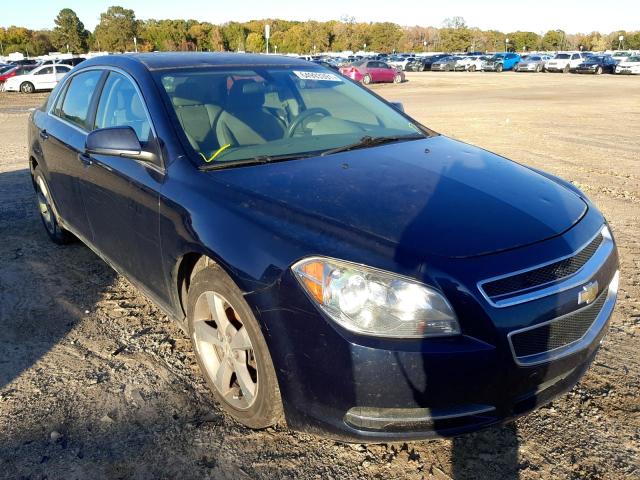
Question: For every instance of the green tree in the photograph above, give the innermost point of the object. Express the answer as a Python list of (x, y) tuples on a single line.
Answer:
[(255, 43), (116, 30), (385, 37), (234, 35), (40, 43), (69, 32), (521, 41), (553, 40)]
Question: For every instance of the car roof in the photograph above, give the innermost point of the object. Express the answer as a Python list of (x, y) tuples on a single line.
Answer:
[(173, 60)]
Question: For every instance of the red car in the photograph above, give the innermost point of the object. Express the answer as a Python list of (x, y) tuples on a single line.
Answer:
[(369, 71), (17, 70)]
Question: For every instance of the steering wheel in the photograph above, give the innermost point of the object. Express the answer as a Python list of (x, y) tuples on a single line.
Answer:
[(298, 121)]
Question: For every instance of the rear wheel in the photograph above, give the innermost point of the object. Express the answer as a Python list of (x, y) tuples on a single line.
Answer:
[(47, 214), (366, 79), (27, 87), (397, 78), (423, 68), (231, 350), (515, 67), (566, 69)]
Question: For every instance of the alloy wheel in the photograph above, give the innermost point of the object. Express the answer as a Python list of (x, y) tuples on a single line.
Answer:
[(225, 350), (44, 205)]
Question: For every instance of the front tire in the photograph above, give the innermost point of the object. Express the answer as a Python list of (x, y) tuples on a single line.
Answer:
[(566, 69), (231, 350), (499, 68), (472, 68), (538, 68), (599, 71), (27, 87), (56, 232)]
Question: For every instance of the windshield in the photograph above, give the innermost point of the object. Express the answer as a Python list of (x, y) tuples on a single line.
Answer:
[(497, 57), (563, 56), (633, 59), (534, 58), (233, 115), (621, 54)]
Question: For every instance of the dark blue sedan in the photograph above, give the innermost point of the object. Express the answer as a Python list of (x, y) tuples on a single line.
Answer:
[(337, 265)]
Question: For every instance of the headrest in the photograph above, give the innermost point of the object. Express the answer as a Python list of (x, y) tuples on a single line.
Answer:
[(188, 93), (246, 94)]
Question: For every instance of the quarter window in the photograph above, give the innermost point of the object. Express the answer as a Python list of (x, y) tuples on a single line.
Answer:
[(120, 106), (75, 107)]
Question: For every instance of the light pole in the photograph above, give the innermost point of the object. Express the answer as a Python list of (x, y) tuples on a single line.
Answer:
[(314, 49), (620, 39), (364, 47), (424, 44), (275, 47), (506, 44), (267, 34)]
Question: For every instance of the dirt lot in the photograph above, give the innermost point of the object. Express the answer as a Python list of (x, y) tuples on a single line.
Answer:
[(96, 383)]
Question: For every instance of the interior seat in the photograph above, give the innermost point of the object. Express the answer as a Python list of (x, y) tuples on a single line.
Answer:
[(197, 114), (245, 120)]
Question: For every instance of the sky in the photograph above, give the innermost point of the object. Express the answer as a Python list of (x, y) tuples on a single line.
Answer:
[(573, 16)]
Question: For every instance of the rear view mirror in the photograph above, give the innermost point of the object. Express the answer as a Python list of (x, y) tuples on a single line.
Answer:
[(398, 106), (117, 142)]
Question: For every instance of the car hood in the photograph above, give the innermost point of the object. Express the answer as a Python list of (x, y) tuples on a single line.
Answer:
[(431, 197)]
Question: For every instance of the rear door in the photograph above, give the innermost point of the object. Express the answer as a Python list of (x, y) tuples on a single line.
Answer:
[(121, 194), (62, 137), (387, 72)]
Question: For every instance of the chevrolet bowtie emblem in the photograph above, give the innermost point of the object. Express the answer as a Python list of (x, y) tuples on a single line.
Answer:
[(588, 293)]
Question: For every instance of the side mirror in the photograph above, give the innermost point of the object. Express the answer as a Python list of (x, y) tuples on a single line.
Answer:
[(398, 106), (117, 142)]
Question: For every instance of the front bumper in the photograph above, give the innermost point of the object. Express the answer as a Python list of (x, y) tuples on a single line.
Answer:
[(529, 67), (490, 67), (365, 389)]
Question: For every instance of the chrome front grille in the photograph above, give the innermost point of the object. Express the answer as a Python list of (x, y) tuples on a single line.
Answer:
[(543, 275), (549, 278), (564, 335)]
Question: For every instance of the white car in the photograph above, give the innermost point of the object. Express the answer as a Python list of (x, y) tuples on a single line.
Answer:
[(400, 63), (622, 56), (45, 77), (565, 62), (630, 66), (470, 64)]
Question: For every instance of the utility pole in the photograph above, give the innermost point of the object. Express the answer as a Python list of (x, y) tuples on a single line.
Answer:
[(267, 34)]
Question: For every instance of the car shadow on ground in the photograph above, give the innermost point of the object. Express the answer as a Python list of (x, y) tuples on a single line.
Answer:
[(45, 289)]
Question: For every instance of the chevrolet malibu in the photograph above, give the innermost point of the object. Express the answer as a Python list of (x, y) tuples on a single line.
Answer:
[(337, 265)]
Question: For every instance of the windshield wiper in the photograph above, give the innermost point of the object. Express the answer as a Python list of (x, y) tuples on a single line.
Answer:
[(369, 141), (258, 160)]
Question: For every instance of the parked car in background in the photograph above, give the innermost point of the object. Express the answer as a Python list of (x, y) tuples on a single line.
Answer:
[(630, 66), (470, 63), (400, 62), (428, 60), (418, 64), (621, 56), (565, 62), (26, 61), (45, 77), (445, 64), (532, 63), (501, 61), (339, 266), (326, 64), (597, 64), (12, 71), (372, 71)]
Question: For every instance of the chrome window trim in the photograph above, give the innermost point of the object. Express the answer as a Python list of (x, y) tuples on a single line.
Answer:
[(589, 336), (69, 77), (582, 275)]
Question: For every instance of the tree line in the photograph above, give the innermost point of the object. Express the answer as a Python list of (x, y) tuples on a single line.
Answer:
[(118, 27)]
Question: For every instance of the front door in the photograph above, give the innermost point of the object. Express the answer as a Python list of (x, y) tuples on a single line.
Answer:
[(121, 194), (45, 78)]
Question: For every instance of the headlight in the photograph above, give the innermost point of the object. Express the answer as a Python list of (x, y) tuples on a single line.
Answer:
[(374, 302)]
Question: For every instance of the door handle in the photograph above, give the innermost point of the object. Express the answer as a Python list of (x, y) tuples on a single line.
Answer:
[(43, 134), (85, 159)]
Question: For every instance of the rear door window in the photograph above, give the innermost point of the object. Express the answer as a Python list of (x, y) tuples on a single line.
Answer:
[(77, 100)]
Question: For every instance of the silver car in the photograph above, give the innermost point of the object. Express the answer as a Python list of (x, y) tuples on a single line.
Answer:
[(533, 63)]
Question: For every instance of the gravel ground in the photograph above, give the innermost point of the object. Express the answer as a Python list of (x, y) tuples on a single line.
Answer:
[(95, 382)]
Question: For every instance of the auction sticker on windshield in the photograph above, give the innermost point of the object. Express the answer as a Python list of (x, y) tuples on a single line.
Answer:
[(328, 77)]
